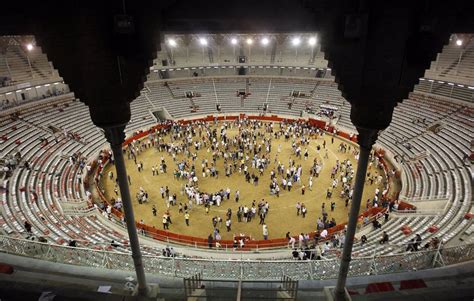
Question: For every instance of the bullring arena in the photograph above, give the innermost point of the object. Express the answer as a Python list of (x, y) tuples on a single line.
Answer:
[(283, 204), (204, 140)]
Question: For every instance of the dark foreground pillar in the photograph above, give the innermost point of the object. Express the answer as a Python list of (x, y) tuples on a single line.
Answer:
[(366, 138), (116, 136)]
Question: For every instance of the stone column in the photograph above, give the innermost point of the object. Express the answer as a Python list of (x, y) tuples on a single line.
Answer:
[(115, 136), (367, 139)]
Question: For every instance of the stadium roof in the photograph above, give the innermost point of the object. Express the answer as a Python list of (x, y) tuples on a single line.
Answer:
[(377, 50)]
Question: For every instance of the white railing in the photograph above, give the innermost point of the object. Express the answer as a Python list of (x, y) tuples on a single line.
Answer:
[(79, 211), (75, 207), (407, 212), (438, 197), (239, 269), (36, 104), (436, 205)]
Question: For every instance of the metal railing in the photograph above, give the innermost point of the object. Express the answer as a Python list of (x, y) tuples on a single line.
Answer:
[(440, 196), (239, 269), (79, 211)]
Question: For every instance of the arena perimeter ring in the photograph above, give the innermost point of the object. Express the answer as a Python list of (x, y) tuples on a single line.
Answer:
[(282, 217)]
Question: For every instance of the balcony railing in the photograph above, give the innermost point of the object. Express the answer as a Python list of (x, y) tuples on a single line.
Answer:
[(239, 269)]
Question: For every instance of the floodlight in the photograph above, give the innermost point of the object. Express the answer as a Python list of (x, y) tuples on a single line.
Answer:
[(265, 41), (459, 42), (203, 41), (233, 41), (312, 41), (296, 41), (249, 41), (172, 42), (29, 46)]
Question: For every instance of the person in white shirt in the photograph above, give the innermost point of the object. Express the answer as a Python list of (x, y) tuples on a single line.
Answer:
[(265, 232), (326, 248), (324, 233), (300, 240), (292, 242)]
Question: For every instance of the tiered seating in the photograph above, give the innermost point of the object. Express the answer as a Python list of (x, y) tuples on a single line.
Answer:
[(227, 93), (258, 89), (205, 99), (35, 195), (18, 68), (447, 89), (141, 117), (455, 63), (443, 172), (452, 74), (273, 90), (211, 55), (54, 179), (233, 70), (29, 77)]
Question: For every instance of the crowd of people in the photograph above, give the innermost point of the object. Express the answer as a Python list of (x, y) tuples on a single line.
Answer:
[(248, 155)]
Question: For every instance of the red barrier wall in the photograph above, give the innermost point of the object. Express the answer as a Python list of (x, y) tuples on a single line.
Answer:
[(251, 244), (317, 123), (405, 206)]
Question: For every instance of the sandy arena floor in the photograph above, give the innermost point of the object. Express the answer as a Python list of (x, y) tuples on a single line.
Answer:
[(282, 214)]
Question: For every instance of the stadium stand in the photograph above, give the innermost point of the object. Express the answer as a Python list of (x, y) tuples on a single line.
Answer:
[(451, 74), (428, 142), (27, 75), (443, 173)]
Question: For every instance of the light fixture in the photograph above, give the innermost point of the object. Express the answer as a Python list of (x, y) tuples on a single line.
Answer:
[(265, 41), (203, 41), (249, 41), (459, 42), (296, 41), (172, 42), (233, 41), (29, 46), (312, 41)]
